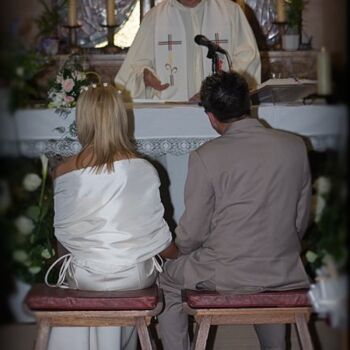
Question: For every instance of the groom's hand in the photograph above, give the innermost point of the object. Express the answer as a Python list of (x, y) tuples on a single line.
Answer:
[(152, 81)]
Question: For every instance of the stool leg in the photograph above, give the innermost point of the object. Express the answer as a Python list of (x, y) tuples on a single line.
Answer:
[(202, 332), (42, 338), (143, 333), (303, 332)]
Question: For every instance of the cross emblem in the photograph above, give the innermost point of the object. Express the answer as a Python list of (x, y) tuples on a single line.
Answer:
[(170, 42), (218, 40), (169, 65)]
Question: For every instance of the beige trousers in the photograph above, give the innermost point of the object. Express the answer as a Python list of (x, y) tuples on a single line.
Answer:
[(173, 321)]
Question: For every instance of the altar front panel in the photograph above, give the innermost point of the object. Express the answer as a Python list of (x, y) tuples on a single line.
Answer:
[(167, 133)]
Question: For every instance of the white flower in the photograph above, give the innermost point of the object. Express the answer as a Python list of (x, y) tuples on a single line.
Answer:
[(59, 79), (44, 164), (34, 270), (46, 254), (31, 182), (20, 71), (323, 185), (20, 255), (320, 205), (311, 256), (24, 225), (5, 196)]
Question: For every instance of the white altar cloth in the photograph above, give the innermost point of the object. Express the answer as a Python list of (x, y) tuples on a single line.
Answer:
[(167, 133), (167, 128)]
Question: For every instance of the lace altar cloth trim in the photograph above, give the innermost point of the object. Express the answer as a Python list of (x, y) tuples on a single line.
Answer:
[(67, 147), (150, 147)]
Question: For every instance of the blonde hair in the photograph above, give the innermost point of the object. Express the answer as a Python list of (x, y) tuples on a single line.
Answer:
[(102, 123)]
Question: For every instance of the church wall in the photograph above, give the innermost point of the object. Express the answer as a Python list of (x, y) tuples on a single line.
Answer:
[(18, 16), (323, 20), (326, 22)]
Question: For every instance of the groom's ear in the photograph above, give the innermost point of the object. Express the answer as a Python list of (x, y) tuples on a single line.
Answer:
[(213, 120)]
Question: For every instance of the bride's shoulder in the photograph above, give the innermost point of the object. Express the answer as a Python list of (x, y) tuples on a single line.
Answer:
[(69, 164)]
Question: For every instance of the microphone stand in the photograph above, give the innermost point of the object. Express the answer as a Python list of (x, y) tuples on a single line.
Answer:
[(229, 61), (215, 58)]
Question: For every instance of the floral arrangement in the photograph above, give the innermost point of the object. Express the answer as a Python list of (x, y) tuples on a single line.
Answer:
[(69, 83), (26, 207), (326, 250)]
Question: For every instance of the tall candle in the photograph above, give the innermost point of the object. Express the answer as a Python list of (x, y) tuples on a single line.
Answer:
[(110, 12), (280, 9), (324, 78), (72, 12)]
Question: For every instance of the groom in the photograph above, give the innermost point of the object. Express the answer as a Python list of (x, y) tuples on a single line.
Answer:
[(247, 201)]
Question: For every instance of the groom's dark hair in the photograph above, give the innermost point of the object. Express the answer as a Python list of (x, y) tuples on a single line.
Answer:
[(226, 95)]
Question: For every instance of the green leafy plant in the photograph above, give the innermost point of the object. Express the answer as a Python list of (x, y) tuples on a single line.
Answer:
[(26, 206), (50, 18), (294, 10)]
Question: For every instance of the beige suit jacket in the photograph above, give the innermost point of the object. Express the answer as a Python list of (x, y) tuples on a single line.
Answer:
[(247, 202)]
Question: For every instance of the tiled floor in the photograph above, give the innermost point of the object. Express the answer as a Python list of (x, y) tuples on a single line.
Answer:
[(21, 337)]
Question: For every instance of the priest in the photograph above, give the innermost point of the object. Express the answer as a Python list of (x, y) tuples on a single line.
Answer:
[(165, 63)]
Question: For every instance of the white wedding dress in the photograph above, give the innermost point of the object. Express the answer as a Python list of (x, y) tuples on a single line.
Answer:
[(112, 224)]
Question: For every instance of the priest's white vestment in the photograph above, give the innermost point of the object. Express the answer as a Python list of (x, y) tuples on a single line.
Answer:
[(165, 45)]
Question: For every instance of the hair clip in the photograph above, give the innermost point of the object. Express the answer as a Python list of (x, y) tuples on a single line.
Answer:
[(105, 84), (85, 88), (94, 86)]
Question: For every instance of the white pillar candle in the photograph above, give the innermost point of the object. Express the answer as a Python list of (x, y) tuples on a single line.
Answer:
[(280, 10), (72, 12), (110, 12), (324, 77)]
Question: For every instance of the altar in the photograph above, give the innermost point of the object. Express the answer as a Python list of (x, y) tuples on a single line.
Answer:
[(167, 133)]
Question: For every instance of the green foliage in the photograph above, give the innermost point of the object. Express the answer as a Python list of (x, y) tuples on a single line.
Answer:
[(19, 69), (294, 10), (50, 18), (327, 235), (26, 219)]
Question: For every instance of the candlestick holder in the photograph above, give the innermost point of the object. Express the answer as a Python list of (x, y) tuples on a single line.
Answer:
[(73, 38), (111, 47), (281, 31)]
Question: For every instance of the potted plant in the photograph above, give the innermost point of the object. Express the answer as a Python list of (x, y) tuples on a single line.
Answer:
[(48, 24), (294, 11)]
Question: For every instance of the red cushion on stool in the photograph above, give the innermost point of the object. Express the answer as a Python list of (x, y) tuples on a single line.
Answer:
[(227, 299), (42, 297)]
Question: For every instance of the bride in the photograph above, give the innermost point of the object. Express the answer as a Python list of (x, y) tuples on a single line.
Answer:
[(108, 217)]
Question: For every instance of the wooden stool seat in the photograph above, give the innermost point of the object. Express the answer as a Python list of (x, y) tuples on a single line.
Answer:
[(58, 307), (219, 308)]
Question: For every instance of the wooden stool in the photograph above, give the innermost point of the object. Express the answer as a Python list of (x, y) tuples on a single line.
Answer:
[(58, 307), (219, 308)]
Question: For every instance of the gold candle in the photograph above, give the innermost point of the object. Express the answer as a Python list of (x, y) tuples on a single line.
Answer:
[(110, 12), (280, 10), (72, 13)]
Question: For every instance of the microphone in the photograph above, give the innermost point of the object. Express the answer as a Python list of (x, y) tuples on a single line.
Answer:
[(204, 41)]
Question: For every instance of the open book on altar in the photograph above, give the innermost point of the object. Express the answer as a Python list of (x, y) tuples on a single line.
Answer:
[(283, 90)]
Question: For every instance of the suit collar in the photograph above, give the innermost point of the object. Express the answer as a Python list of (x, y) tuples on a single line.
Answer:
[(243, 124)]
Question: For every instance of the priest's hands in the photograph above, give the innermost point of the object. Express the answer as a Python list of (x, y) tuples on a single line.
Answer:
[(152, 81), (195, 98)]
